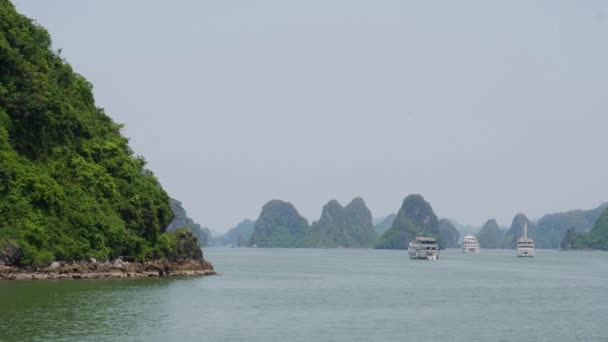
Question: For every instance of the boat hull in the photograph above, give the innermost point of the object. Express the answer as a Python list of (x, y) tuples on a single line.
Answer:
[(423, 248), (525, 252), (423, 254)]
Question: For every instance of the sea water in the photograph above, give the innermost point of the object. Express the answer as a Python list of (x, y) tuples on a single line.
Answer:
[(327, 295)]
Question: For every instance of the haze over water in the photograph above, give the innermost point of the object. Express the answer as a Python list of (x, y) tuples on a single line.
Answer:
[(327, 295), (487, 108)]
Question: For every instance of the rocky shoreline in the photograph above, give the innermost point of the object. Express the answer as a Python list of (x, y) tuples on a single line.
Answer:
[(118, 268)]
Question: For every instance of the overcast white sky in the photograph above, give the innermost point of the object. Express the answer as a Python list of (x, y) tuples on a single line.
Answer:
[(487, 108)]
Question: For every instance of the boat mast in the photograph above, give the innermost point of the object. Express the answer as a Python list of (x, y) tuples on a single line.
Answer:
[(426, 220)]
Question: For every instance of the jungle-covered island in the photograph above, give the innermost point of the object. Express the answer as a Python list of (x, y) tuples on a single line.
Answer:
[(74, 199)]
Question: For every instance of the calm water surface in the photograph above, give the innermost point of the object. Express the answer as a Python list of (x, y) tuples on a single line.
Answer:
[(327, 295)]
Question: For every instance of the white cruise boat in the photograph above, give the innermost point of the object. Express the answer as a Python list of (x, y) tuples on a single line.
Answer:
[(424, 248), (470, 245), (525, 245)]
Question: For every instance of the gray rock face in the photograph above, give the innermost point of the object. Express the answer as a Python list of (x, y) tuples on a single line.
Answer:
[(54, 265), (10, 254)]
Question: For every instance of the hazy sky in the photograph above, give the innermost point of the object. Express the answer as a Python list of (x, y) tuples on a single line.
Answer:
[(487, 108)]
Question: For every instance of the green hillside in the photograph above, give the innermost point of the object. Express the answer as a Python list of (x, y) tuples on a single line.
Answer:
[(70, 186)]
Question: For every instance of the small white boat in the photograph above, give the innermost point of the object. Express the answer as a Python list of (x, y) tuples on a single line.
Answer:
[(525, 245), (424, 248), (470, 245)]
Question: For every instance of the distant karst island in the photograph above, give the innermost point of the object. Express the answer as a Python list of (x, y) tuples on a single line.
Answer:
[(281, 225)]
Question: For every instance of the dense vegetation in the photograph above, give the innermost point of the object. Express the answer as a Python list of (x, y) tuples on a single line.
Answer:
[(384, 224), (491, 235), (181, 220), (414, 217), (238, 236), (552, 228), (349, 226), (70, 186), (448, 233), (279, 225), (596, 238)]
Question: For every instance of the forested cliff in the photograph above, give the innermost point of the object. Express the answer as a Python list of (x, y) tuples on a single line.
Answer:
[(70, 186)]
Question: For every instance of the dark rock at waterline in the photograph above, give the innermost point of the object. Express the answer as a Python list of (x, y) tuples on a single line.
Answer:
[(10, 254), (118, 268)]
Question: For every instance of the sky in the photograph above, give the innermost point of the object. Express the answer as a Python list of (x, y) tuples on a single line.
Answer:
[(486, 108)]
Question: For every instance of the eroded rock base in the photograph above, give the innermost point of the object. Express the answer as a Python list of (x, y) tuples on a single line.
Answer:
[(106, 270)]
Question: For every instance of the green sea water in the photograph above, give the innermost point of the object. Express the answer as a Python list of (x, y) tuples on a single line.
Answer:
[(327, 295)]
